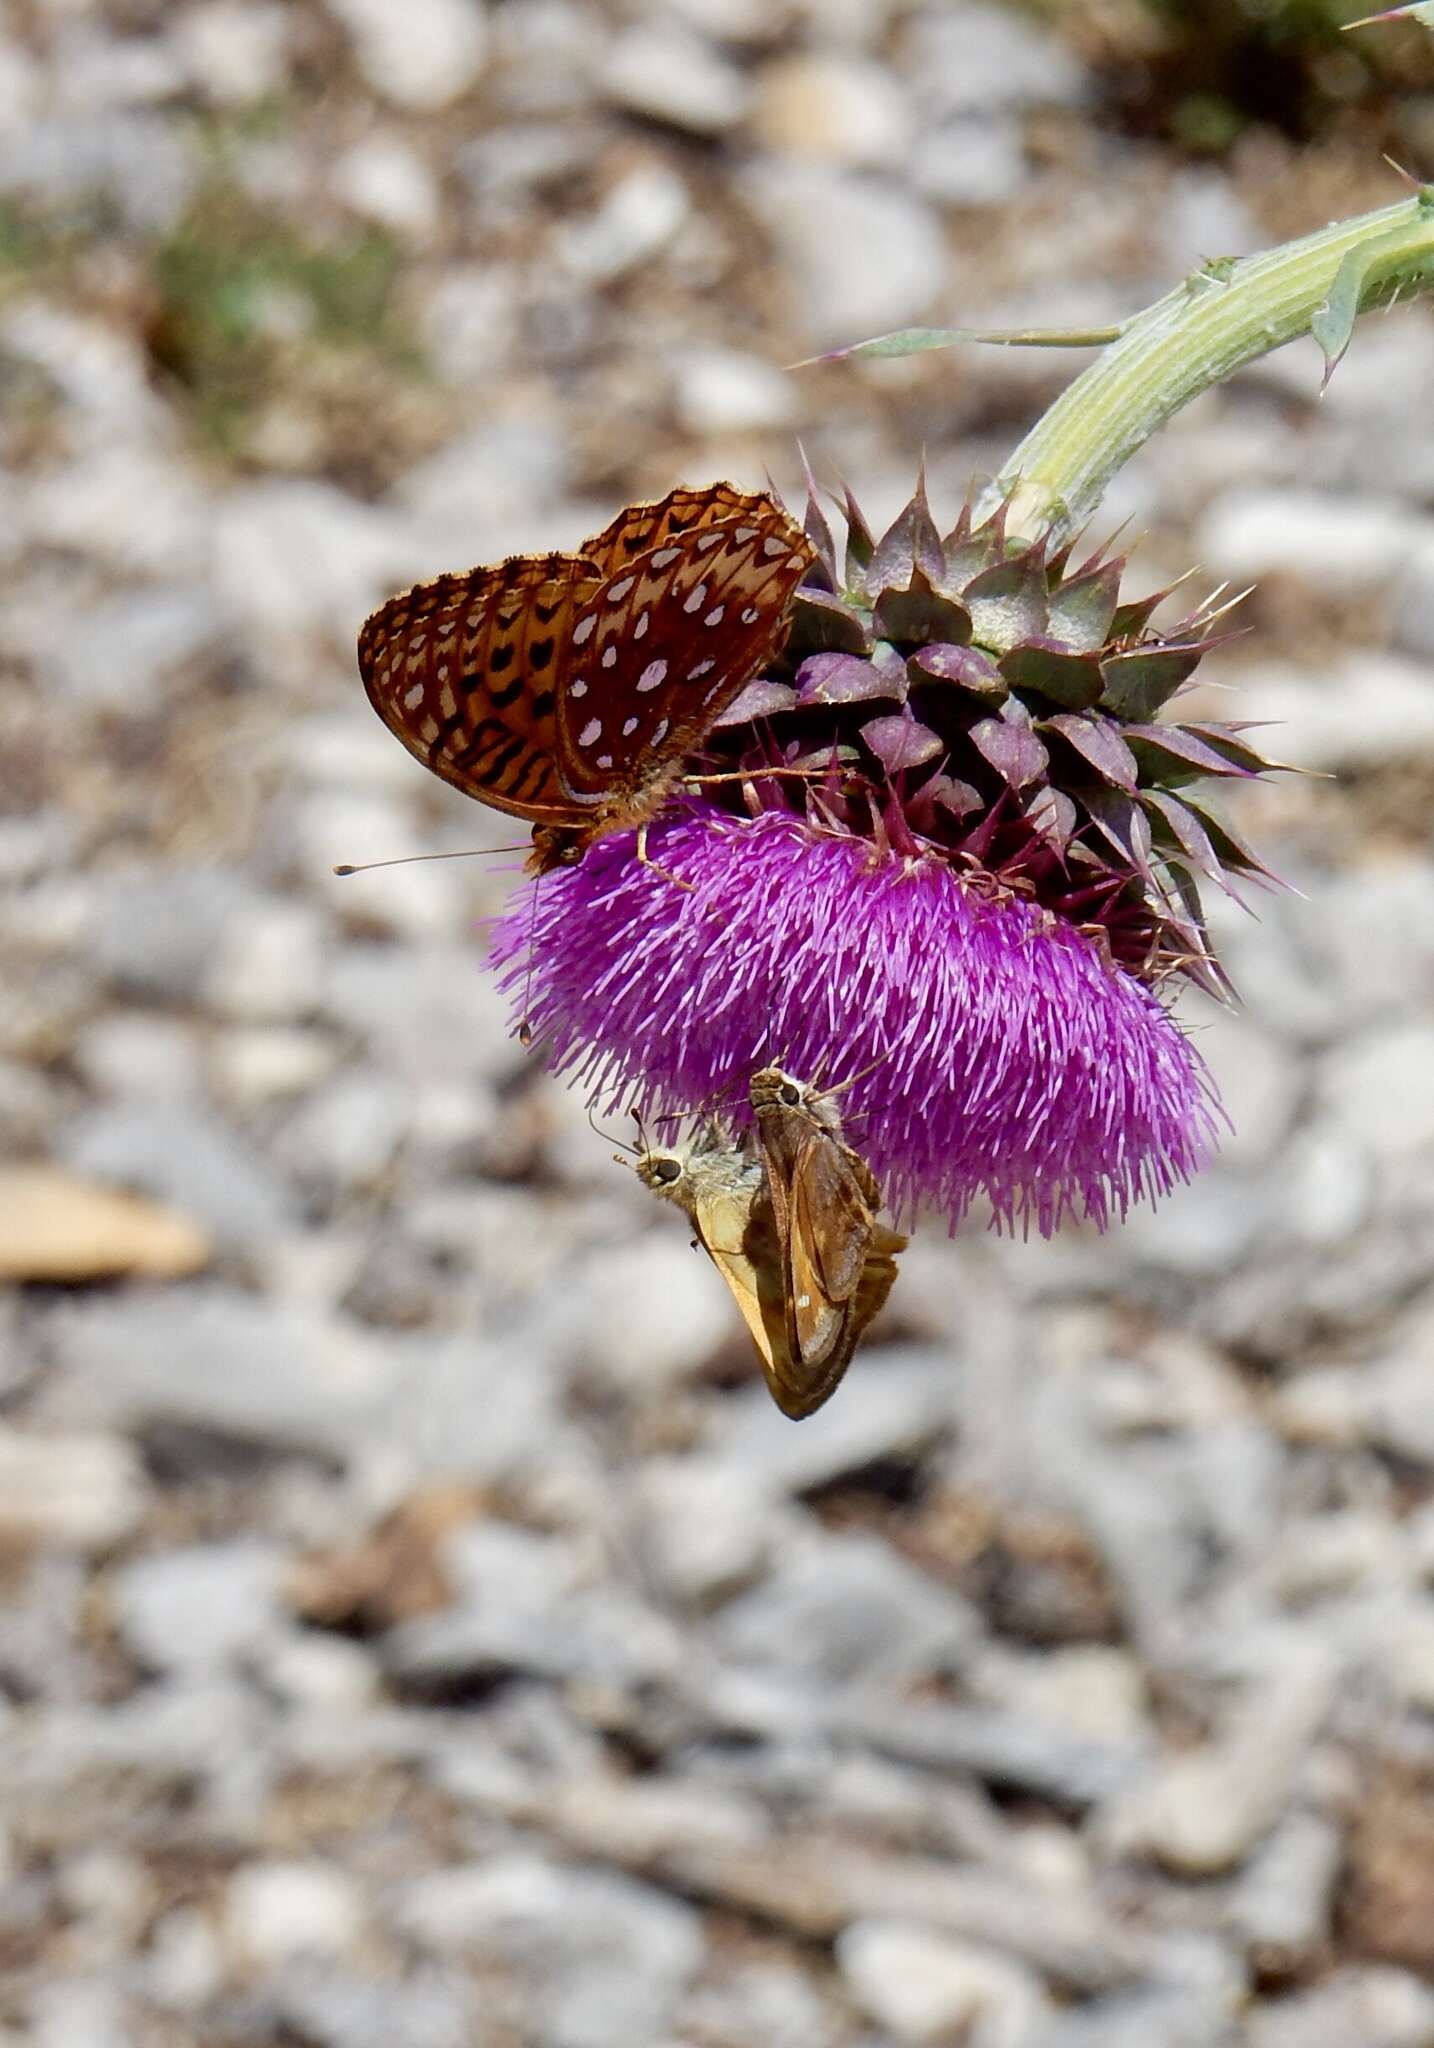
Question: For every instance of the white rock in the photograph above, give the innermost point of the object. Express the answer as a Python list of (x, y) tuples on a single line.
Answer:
[(21, 87), (469, 324), (1380, 1088), (705, 1527), (1202, 1812), (1346, 714), (422, 55), (635, 221), (266, 964), (295, 557), (1335, 543), (185, 1960), (386, 181), (88, 507), (722, 391), (976, 58), (860, 255), (665, 73), (348, 1131), (253, 1064), (1330, 1185), (323, 1672), (124, 1053), (972, 160), (1259, 1081), (186, 1610), (72, 1492), (657, 1309), (923, 1986), (1414, 604), (274, 1912), (235, 50), (835, 107)]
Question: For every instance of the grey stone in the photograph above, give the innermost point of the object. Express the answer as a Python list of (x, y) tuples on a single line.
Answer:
[(1380, 1088), (1414, 604), (1348, 713), (154, 934), (143, 164), (422, 59), (234, 50), (266, 963), (183, 1156), (978, 159), (70, 1492), (1257, 1079), (664, 72), (924, 1987), (604, 1958), (383, 180), (216, 1359), (136, 1053), (346, 1134), (119, 655), (1379, 2008), (1281, 1909), (722, 391), (1202, 1812), (860, 254), (350, 2007), (519, 1608), (187, 1610), (1340, 543), (896, 1403), (705, 1528), (975, 58), (847, 1607), (635, 222)]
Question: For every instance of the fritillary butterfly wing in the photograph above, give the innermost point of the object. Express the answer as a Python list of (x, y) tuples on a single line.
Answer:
[(639, 528), (464, 671), (662, 647), (565, 688)]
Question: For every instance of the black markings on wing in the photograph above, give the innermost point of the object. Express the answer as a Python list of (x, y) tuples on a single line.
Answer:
[(665, 644), (462, 670), (638, 529)]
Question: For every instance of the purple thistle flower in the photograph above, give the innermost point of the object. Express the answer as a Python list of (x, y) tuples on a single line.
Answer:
[(997, 1049)]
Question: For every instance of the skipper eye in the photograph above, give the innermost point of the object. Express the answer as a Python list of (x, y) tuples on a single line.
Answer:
[(791, 1096), (667, 1169)]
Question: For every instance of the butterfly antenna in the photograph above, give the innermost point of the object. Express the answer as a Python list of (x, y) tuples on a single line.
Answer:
[(404, 860), (840, 1087), (597, 1130), (525, 1028)]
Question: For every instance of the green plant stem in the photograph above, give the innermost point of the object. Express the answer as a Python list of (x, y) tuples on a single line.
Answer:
[(1221, 317)]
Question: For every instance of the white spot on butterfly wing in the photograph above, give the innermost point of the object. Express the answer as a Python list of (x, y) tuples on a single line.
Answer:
[(652, 676), (751, 615), (659, 732), (629, 727), (664, 557), (714, 617), (618, 591), (700, 670), (697, 599), (773, 545), (744, 534), (641, 627), (708, 541), (413, 698), (609, 656), (604, 760), (582, 632), (578, 687), (591, 733), (447, 702)]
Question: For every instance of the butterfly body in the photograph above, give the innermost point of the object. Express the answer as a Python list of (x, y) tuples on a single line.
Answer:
[(569, 690), (723, 1193), (838, 1260)]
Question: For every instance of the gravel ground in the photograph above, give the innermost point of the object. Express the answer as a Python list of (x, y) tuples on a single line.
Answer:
[(418, 1626)]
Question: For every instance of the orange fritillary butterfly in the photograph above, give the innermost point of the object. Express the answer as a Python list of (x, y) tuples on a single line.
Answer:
[(569, 689)]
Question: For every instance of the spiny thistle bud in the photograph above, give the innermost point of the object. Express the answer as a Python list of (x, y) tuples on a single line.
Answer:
[(949, 839)]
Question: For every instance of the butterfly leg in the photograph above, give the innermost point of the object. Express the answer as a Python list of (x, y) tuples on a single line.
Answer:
[(645, 861)]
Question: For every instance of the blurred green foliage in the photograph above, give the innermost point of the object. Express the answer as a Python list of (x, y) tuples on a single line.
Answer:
[(1201, 72), (242, 297)]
